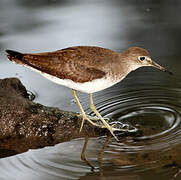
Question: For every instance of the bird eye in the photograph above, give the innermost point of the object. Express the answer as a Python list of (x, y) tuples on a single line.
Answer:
[(141, 58)]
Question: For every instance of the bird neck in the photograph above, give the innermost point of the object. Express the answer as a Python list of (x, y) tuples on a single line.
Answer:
[(126, 65)]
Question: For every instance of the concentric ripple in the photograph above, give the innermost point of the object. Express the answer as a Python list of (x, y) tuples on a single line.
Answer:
[(155, 112)]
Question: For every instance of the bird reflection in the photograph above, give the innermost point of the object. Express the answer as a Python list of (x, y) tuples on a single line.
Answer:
[(100, 156), (83, 154)]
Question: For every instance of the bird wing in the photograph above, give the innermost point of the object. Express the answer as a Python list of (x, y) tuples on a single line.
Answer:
[(71, 63)]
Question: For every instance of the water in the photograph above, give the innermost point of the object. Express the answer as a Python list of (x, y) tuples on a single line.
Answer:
[(146, 99)]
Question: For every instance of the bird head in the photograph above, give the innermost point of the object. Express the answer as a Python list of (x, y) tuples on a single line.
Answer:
[(140, 57)]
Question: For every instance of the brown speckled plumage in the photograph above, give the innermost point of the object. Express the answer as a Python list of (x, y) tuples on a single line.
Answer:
[(80, 63)]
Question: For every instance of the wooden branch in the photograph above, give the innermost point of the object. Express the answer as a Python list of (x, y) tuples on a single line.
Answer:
[(27, 125)]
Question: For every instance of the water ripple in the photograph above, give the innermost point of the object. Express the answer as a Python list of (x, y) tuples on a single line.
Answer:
[(155, 112)]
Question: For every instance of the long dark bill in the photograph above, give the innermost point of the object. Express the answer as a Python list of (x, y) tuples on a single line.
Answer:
[(154, 64)]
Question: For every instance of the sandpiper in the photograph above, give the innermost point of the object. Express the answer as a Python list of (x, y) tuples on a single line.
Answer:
[(88, 69)]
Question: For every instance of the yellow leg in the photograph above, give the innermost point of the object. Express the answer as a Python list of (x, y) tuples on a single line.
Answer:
[(82, 111), (110, 128)]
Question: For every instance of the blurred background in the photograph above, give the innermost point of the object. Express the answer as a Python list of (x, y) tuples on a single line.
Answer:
[(48, 25)]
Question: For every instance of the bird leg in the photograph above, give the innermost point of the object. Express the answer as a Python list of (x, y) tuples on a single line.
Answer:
[(83, 112), (110, 128)]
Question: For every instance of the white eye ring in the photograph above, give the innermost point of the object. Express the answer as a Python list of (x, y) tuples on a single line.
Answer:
[(141, 58)]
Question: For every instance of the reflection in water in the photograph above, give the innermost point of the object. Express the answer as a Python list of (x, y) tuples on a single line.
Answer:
[(148, 101), (83, 154), (100, 156), (155, 112)]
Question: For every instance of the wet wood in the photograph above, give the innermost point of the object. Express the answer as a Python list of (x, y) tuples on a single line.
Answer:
[(27, 125)]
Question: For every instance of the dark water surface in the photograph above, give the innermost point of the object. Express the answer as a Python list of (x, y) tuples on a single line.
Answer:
[(147, 99)]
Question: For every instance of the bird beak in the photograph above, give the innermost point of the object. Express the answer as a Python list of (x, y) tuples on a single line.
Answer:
[(154, 64)]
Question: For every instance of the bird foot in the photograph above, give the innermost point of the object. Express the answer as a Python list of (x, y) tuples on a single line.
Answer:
[(115, 126), (118, 126), (111, 130), (84, 117), (112, 127)]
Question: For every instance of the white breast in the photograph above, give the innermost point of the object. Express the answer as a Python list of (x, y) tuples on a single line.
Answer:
[(86, 87)]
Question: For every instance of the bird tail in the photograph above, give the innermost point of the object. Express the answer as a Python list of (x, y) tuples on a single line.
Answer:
[(14, 55)]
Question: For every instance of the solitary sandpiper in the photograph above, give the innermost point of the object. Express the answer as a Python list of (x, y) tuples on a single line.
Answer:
[(87, 69)]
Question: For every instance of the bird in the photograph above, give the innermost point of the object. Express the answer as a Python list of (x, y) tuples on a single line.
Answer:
[(88, 69)]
